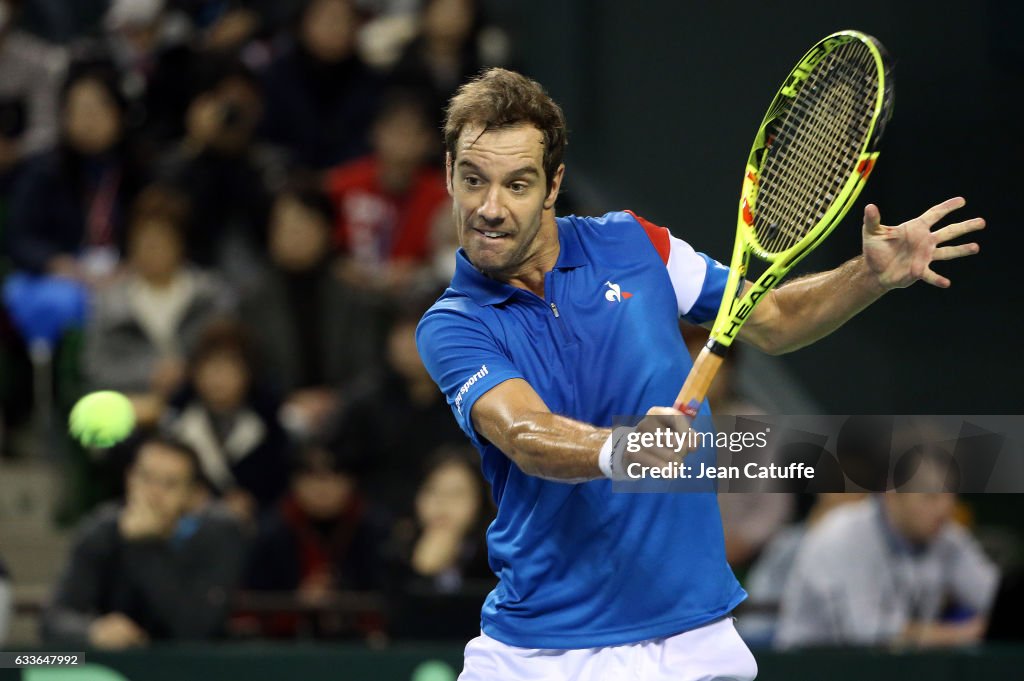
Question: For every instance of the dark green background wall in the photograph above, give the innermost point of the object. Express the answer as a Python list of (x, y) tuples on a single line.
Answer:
[(349, 663), (663, 99)]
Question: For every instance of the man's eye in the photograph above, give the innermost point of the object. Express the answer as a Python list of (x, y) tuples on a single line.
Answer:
[(518, 187), (471, 181)]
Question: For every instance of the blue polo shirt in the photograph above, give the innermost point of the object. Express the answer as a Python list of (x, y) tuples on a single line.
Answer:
[(579, 565)]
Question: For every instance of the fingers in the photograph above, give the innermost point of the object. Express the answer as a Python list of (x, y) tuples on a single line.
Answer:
[(872, 220), (930, 277), (664, 411), (655, 458), (662, 437), (951, 252), (936, 213), (950, 232)]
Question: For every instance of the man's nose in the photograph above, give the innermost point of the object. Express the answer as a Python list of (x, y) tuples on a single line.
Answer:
[(490, 210)]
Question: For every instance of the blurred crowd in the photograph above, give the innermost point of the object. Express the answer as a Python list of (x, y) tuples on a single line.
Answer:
[(234, 212), (899, 569)]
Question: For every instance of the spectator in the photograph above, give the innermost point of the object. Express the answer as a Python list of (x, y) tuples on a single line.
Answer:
[(33, 71), (313, 335), (445, 53), (324, 535), (767, 576), (320, 95), (444, 552), (144, 325), (391, 203), (225, 173), (232, 423), (6, 602), (889, 570), (67, 208), (157, 67), (452, 513), (402, 393), (161, 567)]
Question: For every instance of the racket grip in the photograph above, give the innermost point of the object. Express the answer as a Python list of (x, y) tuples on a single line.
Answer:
[(699, 380)]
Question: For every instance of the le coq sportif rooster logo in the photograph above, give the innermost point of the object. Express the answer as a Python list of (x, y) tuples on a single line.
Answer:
[(615, 294)]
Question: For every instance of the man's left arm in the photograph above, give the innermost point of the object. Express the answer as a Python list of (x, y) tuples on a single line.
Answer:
[(809, 308)]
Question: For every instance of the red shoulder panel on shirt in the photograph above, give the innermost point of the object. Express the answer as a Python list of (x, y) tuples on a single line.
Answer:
[(659, 236)]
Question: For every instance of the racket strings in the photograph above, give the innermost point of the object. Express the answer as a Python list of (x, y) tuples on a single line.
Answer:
[(797, 143), (816, 172), (814, 193), (818, 140), (811, 186)]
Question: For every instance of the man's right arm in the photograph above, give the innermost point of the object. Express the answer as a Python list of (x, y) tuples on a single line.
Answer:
[(514, 418), (492, 400)]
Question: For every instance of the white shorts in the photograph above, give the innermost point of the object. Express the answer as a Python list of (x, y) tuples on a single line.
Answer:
[(714, 652)]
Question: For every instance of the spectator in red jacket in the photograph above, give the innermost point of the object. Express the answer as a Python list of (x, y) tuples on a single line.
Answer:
[(323, 537), (392, 204)]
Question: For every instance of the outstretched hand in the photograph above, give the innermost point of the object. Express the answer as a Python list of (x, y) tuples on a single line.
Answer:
[(901, 255)]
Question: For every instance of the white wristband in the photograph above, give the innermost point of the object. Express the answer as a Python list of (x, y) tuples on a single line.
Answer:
[(604, 458)]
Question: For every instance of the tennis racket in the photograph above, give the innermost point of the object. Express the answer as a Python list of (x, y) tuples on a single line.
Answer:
[(811, 157)]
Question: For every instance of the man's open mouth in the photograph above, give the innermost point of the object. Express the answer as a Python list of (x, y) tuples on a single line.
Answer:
[(491, 234)]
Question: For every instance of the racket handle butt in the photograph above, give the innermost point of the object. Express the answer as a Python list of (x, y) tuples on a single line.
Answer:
[(689, 410)]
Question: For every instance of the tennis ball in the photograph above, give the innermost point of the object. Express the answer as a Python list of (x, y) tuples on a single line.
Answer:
[(102, 419), (433, 670)]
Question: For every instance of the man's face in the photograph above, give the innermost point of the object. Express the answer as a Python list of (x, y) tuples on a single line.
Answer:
[(403, 139), (328, 30), (323, 495), (299, 236), (449, 499), (92, 120), (499, 197), (921, 516), (156, 250), (222, 379), (162, 478)]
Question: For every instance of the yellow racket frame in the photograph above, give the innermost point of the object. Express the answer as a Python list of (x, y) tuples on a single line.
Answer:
[(736, 306)]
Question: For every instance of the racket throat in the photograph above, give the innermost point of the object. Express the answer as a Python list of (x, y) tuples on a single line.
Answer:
[(716, 348)]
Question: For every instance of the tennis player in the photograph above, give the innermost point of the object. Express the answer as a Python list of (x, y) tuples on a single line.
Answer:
[(554, 326)]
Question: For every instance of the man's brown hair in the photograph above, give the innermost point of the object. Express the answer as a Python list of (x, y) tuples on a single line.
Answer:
[(499, 98)]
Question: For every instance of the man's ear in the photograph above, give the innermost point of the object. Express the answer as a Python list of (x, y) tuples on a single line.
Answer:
[(556, 185), (448, 173)]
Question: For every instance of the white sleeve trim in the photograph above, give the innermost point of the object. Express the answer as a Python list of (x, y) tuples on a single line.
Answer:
[(687, 270)]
